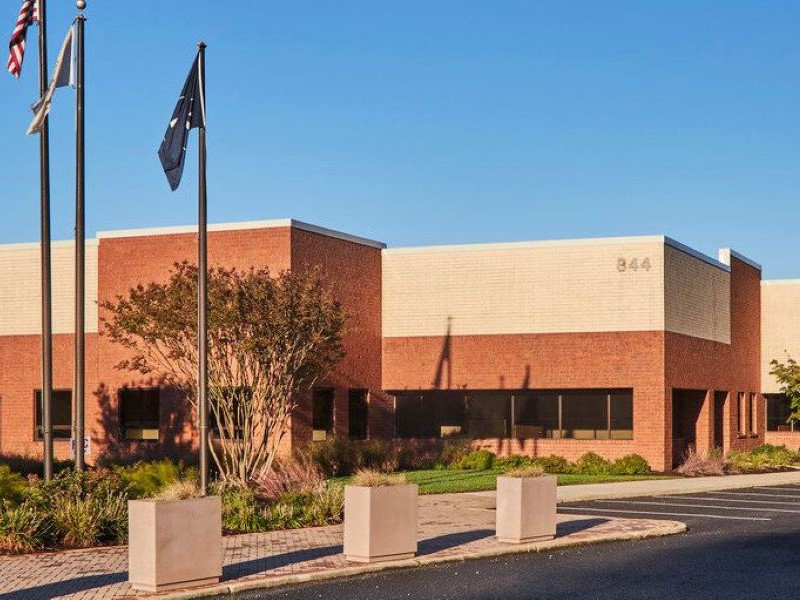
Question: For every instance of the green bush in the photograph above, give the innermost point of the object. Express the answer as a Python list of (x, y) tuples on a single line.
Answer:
[(291, 511), (241, 511), (778, 456), (27, 465), (556, 465), (146, 479), (632, 464), (453, 450), (372, 454), (592, 464), (23, 528), (12, 486), (335, 457), (515, 461), (477, 460)]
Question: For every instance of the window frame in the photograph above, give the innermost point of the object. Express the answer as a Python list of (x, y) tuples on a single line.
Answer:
[(329, 432), (124, 428), (37, 426)]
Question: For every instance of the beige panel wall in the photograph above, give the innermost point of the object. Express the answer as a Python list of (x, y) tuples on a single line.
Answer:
[(780, 326), (20, 288), (545, 287), (697, 297)]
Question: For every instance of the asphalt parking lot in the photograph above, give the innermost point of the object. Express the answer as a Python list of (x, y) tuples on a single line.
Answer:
[(703, 511), (741, 544)]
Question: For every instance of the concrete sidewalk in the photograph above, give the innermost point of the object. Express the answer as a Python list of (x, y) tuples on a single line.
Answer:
[(658, 487), (452, 527)]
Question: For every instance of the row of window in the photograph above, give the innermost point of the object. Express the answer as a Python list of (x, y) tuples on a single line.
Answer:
[(555, 414), (139, 413)]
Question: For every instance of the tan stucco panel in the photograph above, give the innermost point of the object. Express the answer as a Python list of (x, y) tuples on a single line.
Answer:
[(20, 288), (524, 288), (697, 297), (780, 327)]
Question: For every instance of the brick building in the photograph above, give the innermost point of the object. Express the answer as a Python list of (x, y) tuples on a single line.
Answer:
[(614, 345)]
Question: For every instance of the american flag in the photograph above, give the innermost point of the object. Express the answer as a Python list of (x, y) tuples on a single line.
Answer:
[(28, 14)]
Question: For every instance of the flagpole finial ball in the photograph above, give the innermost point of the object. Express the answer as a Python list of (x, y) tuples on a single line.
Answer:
[(80, 4)]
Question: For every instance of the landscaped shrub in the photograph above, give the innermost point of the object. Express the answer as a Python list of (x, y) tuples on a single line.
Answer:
[(515, 461), (241, 511), (453, 450), (632, 464), (306, 510), (777, 456), (146, 479), (372, 454), (477, 460), (28, 465), (336, 457), (12, 486), (555, 464), (592, 464), (87, 508), (298, 475), (699, 465), (23, 528)]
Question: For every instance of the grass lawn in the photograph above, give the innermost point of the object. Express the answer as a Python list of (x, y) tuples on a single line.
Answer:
[(447, 481)]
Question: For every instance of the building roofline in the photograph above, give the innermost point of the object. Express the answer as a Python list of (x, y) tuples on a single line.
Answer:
[(660, 239), (725, 255), (780, 282), (23, 246), (239, 226)]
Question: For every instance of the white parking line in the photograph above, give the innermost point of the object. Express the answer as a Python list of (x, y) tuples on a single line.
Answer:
[(748, 508), (759, 494), (665, 514), (704, 499), (788, 487)]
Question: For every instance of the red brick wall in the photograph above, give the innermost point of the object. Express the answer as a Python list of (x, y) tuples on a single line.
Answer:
[(790, 439), (572, 360), (354, 273), (20, 375), (125, 262), (698, 364)]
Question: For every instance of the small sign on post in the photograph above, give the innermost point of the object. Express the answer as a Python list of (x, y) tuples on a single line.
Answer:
[(87, 447)]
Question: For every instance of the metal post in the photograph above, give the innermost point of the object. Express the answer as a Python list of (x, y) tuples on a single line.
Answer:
[(80, 250), (44, 197), (202, 287)]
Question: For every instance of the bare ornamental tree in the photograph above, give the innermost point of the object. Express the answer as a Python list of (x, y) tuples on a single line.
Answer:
[(269, 338)]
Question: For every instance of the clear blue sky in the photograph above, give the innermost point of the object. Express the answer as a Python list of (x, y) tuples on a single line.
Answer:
[(427, 122)]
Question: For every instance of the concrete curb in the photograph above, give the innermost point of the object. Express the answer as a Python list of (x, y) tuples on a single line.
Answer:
[(664, 528), (657, 487)]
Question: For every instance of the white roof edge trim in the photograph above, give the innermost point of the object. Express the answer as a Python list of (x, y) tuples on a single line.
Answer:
[(527, 244), (641, 239), (698, 255), (728, 253), (239, 226), (780, 282), (24, 246)]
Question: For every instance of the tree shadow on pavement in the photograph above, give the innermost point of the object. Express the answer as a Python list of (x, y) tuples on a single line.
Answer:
[(68, 586), (269, 563), (443, 542), (569, 527)]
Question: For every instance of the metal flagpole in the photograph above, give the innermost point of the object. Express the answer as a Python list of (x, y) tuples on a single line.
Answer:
[(202, 287), (47, 312), (80, 246)]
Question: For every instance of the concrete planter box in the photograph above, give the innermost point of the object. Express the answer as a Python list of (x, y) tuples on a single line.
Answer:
[(174, 543), (380, 523), (526, 509)]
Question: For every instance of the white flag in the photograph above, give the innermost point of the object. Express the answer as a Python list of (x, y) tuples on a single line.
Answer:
[(63, 75)]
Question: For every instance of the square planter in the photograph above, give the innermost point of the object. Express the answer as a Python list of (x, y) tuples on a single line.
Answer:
[(174, 543), (526, 509), (380, 523)]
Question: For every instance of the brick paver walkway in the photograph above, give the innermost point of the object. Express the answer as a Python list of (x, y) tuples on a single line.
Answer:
[(451, 525)]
